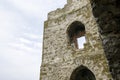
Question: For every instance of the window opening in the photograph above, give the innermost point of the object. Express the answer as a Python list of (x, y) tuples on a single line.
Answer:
[(81, 41), (82, 73), (76, 34)]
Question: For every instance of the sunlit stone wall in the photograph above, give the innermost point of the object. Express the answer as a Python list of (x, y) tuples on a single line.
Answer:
[(59, 59)]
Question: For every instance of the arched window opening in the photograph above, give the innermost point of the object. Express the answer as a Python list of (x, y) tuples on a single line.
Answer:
[(76, 34), (82, 73)]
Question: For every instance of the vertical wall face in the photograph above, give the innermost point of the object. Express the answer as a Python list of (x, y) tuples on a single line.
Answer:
[(61, 59), (107, 13)]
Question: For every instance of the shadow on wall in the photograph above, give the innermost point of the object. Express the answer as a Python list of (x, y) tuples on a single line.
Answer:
[(107, 13)]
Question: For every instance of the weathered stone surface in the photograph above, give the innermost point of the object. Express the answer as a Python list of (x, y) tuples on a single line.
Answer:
[(60, 59)]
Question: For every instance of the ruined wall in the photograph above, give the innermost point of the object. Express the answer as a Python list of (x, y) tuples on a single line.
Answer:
[(59, 59), (107, 13)]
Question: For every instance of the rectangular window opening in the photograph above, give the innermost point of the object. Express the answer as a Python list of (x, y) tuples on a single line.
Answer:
[(81, 42)]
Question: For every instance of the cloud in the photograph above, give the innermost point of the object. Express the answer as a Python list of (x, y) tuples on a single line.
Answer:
[(28, 47), (37, 8), (21, 23), (19, 59), (6, 24), (23, 40), (33, 36), (19, 66), (30, 7), (10, 23)]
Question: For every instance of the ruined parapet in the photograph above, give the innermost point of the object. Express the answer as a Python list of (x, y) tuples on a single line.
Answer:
[(70, 7), (61, 59)]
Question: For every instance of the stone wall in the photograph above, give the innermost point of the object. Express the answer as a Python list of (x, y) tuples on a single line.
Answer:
[(59, 59), (107, 13)]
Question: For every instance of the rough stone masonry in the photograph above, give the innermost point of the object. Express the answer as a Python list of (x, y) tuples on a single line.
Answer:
[(99, 22)]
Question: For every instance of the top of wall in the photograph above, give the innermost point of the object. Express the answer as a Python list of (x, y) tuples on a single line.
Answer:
[(72, 5)]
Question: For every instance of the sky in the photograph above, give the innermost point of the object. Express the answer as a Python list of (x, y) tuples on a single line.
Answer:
[(21, 32)]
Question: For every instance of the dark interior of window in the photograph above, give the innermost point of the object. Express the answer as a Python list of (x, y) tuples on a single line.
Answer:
[(82, 73), (75, 31)]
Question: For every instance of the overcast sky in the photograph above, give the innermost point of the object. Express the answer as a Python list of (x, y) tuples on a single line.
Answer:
[(21, 28)]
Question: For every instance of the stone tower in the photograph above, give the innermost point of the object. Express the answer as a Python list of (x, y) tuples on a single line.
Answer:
[(62, 59)]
